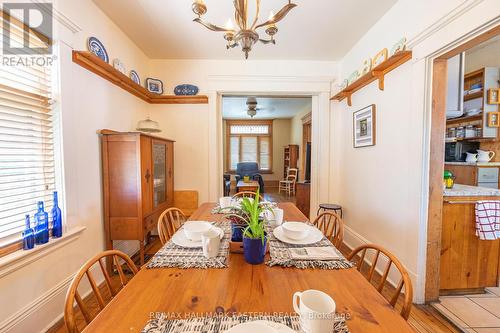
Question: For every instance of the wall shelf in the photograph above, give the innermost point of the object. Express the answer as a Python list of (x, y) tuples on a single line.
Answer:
[(97, 66), (377, 73)]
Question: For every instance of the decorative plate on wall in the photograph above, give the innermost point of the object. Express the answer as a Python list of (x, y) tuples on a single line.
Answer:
[(118, 65), (186, 89), (96, 47), (135, 77), (154, 85)]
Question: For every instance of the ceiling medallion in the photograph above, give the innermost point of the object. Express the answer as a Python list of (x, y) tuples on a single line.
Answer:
[(246, 34)]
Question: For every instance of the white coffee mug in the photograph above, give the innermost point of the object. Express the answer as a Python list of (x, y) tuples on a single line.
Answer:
[(225, 202), (278, 216), (210, 242), (316, 310)]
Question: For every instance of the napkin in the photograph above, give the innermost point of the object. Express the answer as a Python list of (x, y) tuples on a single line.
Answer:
[(314, 253)]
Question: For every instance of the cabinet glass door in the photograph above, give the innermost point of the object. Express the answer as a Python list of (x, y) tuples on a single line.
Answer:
[(159, 174)]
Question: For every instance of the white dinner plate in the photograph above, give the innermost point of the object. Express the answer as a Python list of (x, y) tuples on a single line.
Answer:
[(180, 239), (314, 236), (260, 326)]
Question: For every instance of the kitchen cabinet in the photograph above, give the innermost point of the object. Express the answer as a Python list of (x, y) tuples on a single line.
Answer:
[(467, 263), (137, 176), (484, 174)]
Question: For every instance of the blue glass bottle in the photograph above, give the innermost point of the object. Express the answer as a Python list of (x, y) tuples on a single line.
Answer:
[(56, 218), (42, 225), (28, 235)]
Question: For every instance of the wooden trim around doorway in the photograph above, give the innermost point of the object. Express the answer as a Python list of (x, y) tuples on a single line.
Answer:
[(436, 162)]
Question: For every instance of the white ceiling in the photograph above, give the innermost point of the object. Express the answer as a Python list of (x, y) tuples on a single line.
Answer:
[(234, 107), (314, 30)]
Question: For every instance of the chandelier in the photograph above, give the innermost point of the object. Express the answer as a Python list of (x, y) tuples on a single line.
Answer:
[(246, 35)]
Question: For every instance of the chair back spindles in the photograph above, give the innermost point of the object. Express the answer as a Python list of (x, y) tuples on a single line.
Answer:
[(405, 280), (73, 296), (169, 222), (332, 227), (247, 194)]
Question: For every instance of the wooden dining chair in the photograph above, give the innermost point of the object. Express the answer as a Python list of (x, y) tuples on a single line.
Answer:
[(332, 227), (405, 280), (247, 194), (102, 295), (169, 222)]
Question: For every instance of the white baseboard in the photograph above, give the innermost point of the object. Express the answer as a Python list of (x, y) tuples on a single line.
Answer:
[(352, 240), (33, 317)]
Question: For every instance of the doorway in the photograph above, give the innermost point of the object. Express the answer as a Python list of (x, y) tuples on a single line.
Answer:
[(269, 138), (317, 88), (451, 239)]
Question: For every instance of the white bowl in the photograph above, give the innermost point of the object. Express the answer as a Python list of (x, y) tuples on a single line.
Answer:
[(194, 229), (295, 230)]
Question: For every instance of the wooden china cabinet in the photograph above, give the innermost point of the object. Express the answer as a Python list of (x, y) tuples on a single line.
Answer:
[(138, 184)]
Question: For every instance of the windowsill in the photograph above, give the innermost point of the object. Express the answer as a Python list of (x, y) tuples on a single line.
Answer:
[(21, 258)]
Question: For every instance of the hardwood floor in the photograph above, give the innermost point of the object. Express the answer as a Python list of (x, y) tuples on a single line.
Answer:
[(423, 318)]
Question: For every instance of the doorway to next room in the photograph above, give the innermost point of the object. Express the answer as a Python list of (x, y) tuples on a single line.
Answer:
[(267, 145)]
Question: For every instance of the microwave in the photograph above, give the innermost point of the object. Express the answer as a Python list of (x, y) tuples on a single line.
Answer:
[(455, 151)]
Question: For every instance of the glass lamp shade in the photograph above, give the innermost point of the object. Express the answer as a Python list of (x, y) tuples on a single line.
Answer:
[(148, 126)]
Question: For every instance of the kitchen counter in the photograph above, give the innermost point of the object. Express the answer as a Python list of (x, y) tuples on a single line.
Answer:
[(460, 190), (479, 164)]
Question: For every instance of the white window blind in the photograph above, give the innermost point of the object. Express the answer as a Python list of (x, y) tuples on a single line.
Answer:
[(249, 143), (27, 168)]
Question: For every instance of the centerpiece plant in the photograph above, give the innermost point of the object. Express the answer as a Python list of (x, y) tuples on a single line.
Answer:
[(253, 230)]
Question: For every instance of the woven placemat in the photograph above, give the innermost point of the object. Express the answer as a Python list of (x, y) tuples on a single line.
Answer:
[(281, 256), (219, 324), (172, 255)]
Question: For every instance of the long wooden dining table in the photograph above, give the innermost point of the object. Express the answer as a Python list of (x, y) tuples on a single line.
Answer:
[(244, 288)]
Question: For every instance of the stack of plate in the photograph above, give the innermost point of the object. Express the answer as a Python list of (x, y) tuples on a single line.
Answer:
[(473, 112)]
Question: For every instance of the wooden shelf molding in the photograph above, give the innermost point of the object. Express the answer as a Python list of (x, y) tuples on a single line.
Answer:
[(377, 73), (97, 66)]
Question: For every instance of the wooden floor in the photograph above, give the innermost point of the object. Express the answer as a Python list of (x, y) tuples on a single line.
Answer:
[(423, 318)]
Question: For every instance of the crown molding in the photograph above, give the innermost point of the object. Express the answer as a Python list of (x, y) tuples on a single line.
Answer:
[(59, 17)]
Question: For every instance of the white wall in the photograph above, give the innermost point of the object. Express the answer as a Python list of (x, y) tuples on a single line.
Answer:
[(297, 135), (175, 120), (36, 291), (484, 56), (383, 189)]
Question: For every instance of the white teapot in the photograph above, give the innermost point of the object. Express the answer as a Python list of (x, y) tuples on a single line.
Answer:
[(484, 156), (471, 158)]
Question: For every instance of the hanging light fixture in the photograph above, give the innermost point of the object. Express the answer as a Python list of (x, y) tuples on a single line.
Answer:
[(246, 35), (148, 126)]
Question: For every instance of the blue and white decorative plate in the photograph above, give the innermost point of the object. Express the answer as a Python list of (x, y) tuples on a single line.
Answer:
[(186, 89), (154, 85), (96, 47), (135, 77)]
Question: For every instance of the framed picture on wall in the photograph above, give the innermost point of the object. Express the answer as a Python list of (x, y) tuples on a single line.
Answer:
[(493, 119), (493, 96), (364, 129)]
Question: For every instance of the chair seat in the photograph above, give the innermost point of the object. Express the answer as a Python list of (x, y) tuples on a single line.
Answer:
[(328, 206), (286, 181)]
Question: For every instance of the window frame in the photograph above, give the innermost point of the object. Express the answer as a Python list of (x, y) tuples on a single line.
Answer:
[(230, 123), (9, 248)]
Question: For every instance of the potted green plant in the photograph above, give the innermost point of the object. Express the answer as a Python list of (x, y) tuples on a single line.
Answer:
[(254, 234)]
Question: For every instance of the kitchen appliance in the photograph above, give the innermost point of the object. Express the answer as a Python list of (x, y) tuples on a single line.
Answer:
[(456, 151), (487, 177)]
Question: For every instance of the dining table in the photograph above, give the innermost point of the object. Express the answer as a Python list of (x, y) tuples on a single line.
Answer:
[(244, 288)]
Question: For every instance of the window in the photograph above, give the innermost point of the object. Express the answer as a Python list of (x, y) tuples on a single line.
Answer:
[(249, 141), (27, 167)]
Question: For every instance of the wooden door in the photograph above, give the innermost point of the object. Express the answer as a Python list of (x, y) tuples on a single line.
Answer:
[(147, 178), (170, 173)]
